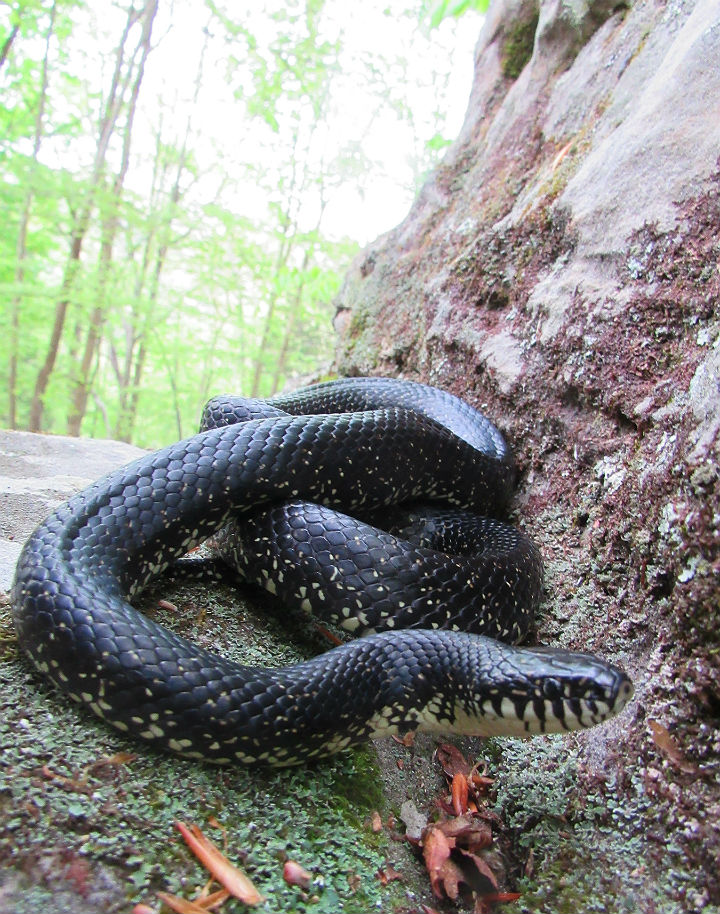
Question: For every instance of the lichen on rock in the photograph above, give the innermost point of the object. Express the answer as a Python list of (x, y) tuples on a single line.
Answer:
[(560, 270)]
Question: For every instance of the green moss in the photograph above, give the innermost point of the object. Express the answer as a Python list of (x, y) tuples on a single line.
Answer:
[(358, 322), (114, 825), (518, 45), (359, 785)]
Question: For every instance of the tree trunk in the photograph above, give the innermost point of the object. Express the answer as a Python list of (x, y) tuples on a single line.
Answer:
[(280, 261), (7, 44), (135, 324), (289, 225), (129, 398), (289, 328), (109, 230), (80, 227), (292, 321), (24, 222)]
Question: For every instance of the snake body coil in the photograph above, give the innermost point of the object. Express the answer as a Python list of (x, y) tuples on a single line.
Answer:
[(359, 445)]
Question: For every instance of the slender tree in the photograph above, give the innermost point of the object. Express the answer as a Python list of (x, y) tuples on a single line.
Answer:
[(24, 223), (161, 232), (134, 73), (81, 222), (7, 44)]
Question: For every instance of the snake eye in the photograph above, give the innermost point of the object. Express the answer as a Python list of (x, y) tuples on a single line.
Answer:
[(551, 689)]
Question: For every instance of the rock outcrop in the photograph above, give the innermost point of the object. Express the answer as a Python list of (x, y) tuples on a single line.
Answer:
[(560, 270)]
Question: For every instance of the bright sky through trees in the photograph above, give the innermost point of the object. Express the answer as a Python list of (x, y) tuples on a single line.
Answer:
[(184, 184), (424, 74)]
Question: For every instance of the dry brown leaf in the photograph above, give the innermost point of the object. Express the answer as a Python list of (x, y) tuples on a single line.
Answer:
[(450, 875), (668, 746), (181, 905), (77, 872), (452, 852), (79, 785), (294, 874), (120, 758), (389, 874), (327, 635), (436, 852), (452, 761), (481, 782), (484, 903), (459, 794), (482, 868), (212, 900), (106, 764), (454, 847), (470, 831), (561, 155), (226, 873), (376, 822)]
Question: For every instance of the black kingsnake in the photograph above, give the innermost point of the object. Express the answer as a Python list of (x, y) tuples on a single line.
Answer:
[(359, 445)]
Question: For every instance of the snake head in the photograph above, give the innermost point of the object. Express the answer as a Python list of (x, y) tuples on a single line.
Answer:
[(482, 687), (572, 690), (548, 690)]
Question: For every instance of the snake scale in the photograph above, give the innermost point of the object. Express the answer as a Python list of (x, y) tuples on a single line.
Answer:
[(280, 470)]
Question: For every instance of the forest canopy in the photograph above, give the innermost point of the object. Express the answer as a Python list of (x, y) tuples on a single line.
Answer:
[(183, 186)]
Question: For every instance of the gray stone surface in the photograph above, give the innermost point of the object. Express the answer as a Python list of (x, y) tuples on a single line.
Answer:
[(38, 472)]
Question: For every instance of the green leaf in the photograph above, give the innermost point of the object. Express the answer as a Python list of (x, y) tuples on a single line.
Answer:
[(444, 9), (437, 143)]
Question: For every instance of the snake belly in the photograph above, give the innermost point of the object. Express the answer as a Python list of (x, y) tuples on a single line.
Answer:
[(355, 445)]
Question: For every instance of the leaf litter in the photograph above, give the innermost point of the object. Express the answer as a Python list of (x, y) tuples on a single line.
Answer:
[(456, 845)]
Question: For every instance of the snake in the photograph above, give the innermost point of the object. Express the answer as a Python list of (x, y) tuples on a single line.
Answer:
[(302, 481)]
